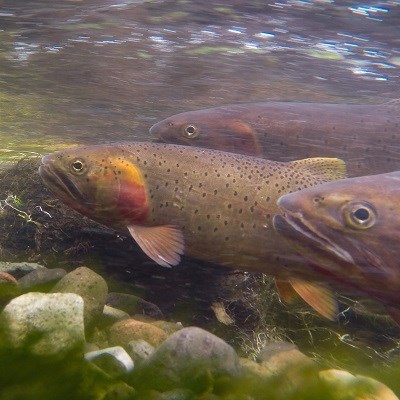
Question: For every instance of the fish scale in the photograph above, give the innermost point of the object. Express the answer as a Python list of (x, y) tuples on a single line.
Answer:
[(174, 200)]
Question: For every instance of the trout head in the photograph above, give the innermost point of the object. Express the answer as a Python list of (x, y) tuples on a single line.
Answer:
[(100, 182), (350, 229), (210, 128)]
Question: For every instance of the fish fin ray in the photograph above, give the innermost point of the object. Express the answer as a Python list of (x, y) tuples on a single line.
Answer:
[(317, 296), (164, 244), (285, 291), (327, 168)]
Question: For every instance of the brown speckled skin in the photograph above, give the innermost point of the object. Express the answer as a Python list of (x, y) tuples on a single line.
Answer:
[(366, 137), (223, 202)]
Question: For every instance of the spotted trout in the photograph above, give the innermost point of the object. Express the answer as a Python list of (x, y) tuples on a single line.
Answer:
[(366, 137), (175, 200), (350, 231)]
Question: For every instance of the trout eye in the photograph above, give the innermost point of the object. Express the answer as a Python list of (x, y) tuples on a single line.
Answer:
[(360, 215), (78, 167), (190, 131)]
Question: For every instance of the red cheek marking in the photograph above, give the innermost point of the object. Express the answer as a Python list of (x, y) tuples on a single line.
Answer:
[(132, 202)]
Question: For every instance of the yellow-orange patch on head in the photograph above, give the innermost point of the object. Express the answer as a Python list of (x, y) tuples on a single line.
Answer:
[(129, 190)]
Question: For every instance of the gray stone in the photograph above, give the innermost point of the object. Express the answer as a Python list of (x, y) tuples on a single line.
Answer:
[(280, 357), (7, 279), (111, 315), (133, 305), (122, 332), (8, 287), (115, 361), (187, 356), (348, 386), (273, 348), (140, 350), (119, 391), (19, 269), (41, 279), (48, 323), (90, 347), (91, 286)]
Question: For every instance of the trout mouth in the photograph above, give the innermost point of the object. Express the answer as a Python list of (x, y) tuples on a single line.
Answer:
[(294, 227), (58, 182)]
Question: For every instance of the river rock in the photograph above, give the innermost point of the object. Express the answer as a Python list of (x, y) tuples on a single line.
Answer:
[(254, 369), (41, 279), (119, 391), (140, 350), (122, 332), (19, 269), (283, 356), (179, 394), (6, 278), (187, 357), (133, 305), (273, 348), (90, 286), (9, 288), (347, 386), (111, 315), (115, 361), (48, 323), (168, 327)]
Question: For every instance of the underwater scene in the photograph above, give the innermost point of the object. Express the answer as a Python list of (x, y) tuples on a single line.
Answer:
[(199, 200)]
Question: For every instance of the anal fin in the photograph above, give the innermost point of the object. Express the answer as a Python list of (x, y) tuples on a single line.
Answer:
[(164, 244)]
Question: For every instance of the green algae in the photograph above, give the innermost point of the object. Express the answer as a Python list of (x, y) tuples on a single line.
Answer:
[(325, 55), (144, 55), (174, 16), (205, 50)]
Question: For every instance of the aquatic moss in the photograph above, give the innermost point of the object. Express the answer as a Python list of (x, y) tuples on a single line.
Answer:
[(32, 220)]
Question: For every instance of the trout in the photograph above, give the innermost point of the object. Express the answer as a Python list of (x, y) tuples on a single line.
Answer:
[(350, 231), (175, 200), (366, 137)]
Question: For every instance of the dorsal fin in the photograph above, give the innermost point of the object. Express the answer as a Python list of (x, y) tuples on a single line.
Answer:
[(329, 169), (164, 244), (317, 296)]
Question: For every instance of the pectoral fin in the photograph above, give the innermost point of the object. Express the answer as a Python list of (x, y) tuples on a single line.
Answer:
[(163, 244), (317, 296), (285, 291)]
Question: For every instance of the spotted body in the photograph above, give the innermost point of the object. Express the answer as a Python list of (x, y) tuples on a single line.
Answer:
[(366, 137), (350, 229), (210, 205)]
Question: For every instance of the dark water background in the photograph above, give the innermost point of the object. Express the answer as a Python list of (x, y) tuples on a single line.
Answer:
[(97, 71), (94, 71)]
